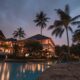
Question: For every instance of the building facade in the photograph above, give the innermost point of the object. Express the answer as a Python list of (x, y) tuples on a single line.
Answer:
[(47, 43), (7, 45)]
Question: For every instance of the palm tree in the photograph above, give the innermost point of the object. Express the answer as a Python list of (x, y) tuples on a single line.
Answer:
[(76, 36), (19, 33), (41, 20), (63, 23)]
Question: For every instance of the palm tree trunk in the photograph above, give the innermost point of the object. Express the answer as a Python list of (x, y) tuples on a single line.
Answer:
[(19, 38), (41, 33), (68, 41), (41, 30)]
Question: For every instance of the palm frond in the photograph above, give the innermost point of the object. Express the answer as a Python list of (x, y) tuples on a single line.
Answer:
[(41, 19), (56, 31), (19, 33), (76, 36), (36, 20), (58, 23), (77, 31), (51, 27), (74, 18), (70, 29), (78, 26), (63, 15), (75, 22), (67, 9), (61, 32), (59, 11)]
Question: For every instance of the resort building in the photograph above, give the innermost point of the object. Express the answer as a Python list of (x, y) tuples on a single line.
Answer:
[(47, 43), (7, 45)]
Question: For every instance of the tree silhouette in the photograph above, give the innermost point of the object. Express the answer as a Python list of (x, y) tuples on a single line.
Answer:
[(64, 23), (19, 33), (33, 47), (41, 20), (76, 36)]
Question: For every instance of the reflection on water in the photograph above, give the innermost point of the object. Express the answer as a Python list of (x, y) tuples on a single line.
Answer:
[(4, 72), (22, 71)]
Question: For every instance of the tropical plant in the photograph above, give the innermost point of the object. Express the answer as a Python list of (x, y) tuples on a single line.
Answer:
[(41, 20), (75, 49), (58, 50), (16, 49), (33, 47), (19, 33), (76, 36), (63, 23)]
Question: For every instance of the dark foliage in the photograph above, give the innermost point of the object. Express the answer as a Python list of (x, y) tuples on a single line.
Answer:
[(75, 49), (33, 47), (76, 36), (41, 20)]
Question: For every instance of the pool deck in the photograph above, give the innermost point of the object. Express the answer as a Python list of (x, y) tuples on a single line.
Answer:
[(66, 71), (25, 60)]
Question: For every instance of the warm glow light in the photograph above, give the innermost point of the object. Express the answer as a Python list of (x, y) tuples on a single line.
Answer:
[(39, 67), (26, 55), (7, 51), (5, 72), (33, 67), (47, 53), (8, 75), (49, 63), (42, 67), (2, 77), (22, 50)]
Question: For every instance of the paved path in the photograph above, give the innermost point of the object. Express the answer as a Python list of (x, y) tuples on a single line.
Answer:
[(67, 71)]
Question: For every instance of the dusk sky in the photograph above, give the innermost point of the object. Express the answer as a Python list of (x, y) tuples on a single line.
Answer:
[(16, 13)]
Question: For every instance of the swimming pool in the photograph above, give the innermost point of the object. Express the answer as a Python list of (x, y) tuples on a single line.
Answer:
[(22, 71)]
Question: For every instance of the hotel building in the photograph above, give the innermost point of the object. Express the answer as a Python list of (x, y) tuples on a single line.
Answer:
[(6, 45)]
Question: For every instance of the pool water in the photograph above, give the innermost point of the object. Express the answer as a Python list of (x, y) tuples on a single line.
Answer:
[(22, 71)]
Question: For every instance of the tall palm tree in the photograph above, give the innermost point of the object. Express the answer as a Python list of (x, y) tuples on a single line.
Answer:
[(41, 20), (63, 23), (19, 33)]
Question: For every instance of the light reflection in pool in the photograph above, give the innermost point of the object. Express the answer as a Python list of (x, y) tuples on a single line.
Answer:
[(22, 71), (4, 72)]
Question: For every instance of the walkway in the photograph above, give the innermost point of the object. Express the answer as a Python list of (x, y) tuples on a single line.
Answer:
[(67, 71)]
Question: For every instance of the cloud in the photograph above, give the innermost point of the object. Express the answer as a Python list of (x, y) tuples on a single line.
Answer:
[(15, 13)]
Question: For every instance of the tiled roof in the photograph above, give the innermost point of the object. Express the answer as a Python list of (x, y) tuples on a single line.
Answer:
[(38, 37), (11, 39)]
